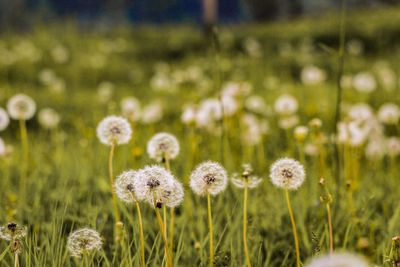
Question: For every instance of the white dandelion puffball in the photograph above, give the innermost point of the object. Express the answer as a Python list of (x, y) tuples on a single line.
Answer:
[(152, 113), (393, 146), (114, 130), (286, 105), (210, 110), (189, 114), (2, 147), (301, 132), (163, 145), (364, 82), (257, 105), (338, 260), (48, 118), (12, 231), (246, 178), (156, 185), (21, 107), (125, 186), (288, 122), (287, 173), (4, 120), (311, 75), (361, 112), (389, 113), (83, 241), (208, 178), (130, 108)]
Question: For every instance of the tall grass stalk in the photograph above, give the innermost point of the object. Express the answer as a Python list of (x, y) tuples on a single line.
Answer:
[(164, 236), (296, 240)]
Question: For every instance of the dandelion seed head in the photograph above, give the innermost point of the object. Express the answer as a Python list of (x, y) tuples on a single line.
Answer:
[(84, 241), (125, 186), (256, 104), (364, 82), (114, 130), (286, 105), (130, 108), (288, 122), (361, 112), (189, 114), (48, 118), (300, 133), (246, 178), (393, 146), (287, 173), (4, 120), (209, 111), (389, 113), (338, 260), (208, 177), (12, 231), (163, 145), (152, 113), (311, 75), (156, 184), (21, 107)]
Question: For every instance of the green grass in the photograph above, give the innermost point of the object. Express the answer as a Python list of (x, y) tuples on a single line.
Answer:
[(68, 184)]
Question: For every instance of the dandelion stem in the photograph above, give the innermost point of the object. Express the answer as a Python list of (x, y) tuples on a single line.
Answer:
[(296, 241), (16, 262), (246, 249), (161, 225), (328, 209), (165, 222), (110, 167), (25, 158), (210, 230), (171, 229), (141, 233)]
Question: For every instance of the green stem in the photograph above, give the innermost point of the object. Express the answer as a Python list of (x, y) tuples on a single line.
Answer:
[(328, 209), (164, 236), (16, 262), (210, 230), (110, 167), (246, 249), (296, 241), (25, 159), (141, 233)]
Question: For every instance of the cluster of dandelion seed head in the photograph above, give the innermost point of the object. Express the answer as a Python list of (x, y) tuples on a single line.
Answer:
[(84, 241), (21, 107), (130, 108), (287, 173), (156, 185), (48, 118), (361, 112), (364, 82), (338, 260), (163, 145), (208, 178), (286, 105), (125, 186), (246, 178), (12, 231), (114, 130), (389, 113), (4, 120), (311, 75)]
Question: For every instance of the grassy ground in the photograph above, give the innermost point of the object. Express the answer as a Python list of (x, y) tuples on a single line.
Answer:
[(68, 186)]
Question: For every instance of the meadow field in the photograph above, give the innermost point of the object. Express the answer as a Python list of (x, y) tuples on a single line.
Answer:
[(246, 95)]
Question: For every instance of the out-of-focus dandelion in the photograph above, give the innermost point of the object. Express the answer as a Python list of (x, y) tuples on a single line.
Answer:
[(256, 104), (338, 260), (21, 107), (2, 147), (364, 82), (152, 113), (130, 108), (288, 122), (355, 47), (125, 190), (209, 178), (300, 134), (289, 174), (59, 54), (83, 242), (14, 233), (389, 113), (246, 180), (286, 105), (311, 75), (105, 91), (4, 120), (189, 114), (113, 131), (48, 118), (361, 112)]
